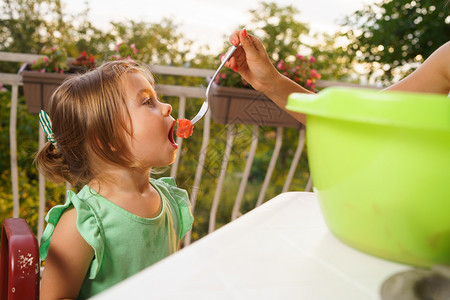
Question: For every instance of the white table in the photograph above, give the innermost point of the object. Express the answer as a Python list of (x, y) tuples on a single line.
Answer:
[(280, 250)]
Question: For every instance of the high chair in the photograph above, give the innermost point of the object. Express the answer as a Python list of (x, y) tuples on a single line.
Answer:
[(19, 264)]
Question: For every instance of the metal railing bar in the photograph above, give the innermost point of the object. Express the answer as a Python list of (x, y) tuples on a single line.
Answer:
[(181, 71), (179, 141), (309, 184), (18, 57), (273, 160), (179, 90), (200, 165), (295, 160), (10, 79), (248, 165), (327, 83), (223, 172), (13, 149), (41, 184)]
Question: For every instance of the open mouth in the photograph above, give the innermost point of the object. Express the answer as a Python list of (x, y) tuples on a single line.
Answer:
[(171, 133)]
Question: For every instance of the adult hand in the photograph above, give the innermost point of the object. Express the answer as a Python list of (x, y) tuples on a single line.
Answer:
[(251, 61)]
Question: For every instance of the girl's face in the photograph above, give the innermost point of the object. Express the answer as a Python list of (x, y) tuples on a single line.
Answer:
[(152, 141)]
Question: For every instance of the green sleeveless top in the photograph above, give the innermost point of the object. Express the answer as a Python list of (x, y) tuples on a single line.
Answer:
[(123, 243)]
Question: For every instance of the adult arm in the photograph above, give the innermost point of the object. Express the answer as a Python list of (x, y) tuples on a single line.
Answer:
[(433, 76)]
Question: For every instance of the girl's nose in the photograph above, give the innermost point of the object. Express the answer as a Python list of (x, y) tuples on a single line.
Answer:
[(167, 109)]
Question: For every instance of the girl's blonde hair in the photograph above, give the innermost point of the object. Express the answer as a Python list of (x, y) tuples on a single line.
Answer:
[(88, 114)]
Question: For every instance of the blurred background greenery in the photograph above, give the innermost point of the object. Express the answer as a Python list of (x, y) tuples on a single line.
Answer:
[(379, 44)]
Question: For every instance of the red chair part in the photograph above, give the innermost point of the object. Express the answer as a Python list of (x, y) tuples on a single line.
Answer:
[(19, 264)]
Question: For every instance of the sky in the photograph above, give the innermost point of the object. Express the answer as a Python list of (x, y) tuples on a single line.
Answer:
[(210, 22)]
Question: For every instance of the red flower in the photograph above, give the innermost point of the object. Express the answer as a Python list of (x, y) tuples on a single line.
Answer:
[(280, 65)]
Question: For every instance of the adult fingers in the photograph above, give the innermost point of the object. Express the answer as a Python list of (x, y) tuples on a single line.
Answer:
[(234, 38), (238, 58), (252, 46), (242, 37), (232, 62)]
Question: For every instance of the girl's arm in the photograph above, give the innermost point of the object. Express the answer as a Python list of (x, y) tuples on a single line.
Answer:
[(433, 76), (68, 260)]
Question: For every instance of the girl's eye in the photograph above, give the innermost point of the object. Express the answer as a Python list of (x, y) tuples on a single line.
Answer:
[(148, 101)]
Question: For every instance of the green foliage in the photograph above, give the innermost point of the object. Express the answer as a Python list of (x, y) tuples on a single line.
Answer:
[(53, 61), (27, 145), (393, 34), (333, 59), (27, 19), (301, 70), (47, 25), (27, 26), (125, 51), (278, 29), (157, 43)]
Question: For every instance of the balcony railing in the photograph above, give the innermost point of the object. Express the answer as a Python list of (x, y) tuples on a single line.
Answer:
[(183, 94)]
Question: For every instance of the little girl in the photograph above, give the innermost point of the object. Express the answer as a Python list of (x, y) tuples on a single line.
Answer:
[(106, 130)]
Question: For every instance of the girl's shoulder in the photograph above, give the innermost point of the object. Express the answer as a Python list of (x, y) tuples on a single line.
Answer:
[(164, 181), (66, 233), (67, 228), (178, 198), (168, 186), (77, 215)]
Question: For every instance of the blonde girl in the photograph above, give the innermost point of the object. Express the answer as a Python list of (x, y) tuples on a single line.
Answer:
[(107, 129)]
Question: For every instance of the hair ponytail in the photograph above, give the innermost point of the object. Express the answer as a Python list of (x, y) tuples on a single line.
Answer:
[(50, 163)]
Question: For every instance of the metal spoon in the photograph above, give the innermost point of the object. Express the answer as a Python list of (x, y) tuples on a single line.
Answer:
[(205, 104)]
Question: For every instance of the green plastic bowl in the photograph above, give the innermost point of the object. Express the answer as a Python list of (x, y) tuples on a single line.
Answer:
[(380, 163)]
